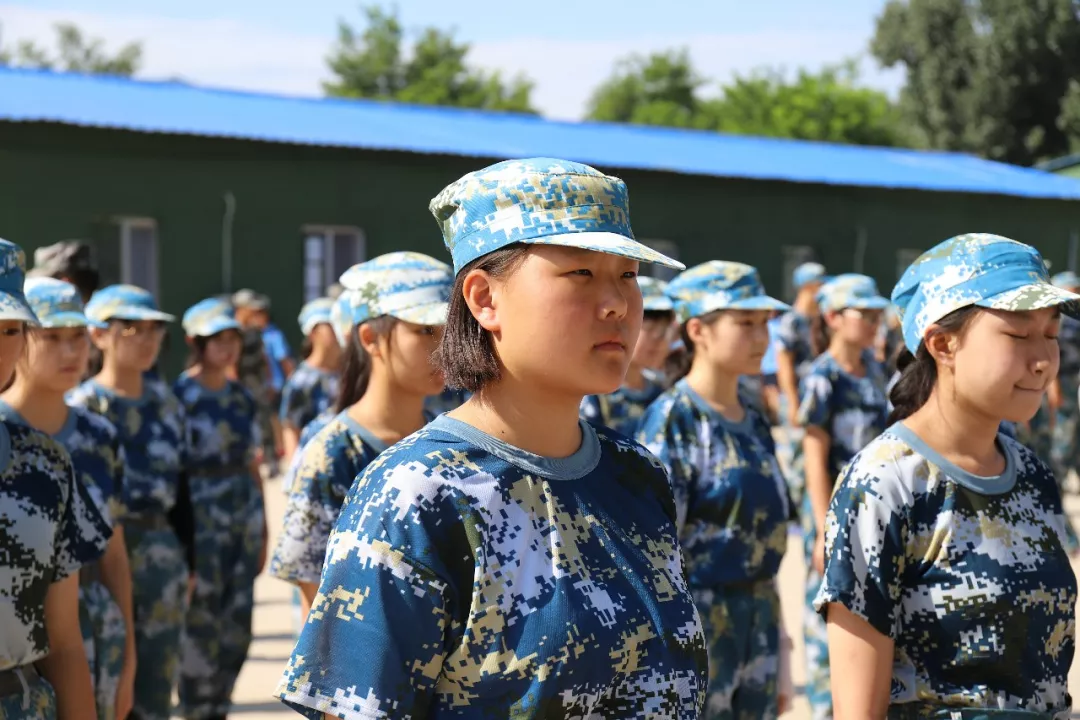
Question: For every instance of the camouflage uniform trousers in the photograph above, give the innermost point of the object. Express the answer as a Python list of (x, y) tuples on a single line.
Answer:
[(742, 630), (789, 454), (159, 589), (228, 540), (264, 411), (36, 702), (104, 634)]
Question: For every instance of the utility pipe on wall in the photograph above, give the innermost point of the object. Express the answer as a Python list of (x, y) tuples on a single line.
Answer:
[(227, 241)]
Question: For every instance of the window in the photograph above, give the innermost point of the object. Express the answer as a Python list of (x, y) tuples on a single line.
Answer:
[(794, 256), (904, 258), (660, 272), (139, 253), (328, 252)]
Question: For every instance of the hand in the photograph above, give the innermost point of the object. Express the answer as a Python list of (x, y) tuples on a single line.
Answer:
[(783, 704), (191, 581), (125, 691), (818, 557)]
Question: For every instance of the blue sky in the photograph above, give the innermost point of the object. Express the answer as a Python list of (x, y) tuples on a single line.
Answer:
[(280, 45)]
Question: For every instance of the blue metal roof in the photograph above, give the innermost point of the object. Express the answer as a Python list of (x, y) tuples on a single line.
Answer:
[(177, 108)]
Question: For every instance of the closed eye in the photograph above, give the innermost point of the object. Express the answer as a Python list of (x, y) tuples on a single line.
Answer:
[(583, 272)]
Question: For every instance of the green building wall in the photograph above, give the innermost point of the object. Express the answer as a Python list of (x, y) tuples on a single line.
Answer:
[(60, 182)]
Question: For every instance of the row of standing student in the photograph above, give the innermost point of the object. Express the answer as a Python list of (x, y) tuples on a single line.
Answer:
[(507, 560), (119, 585)]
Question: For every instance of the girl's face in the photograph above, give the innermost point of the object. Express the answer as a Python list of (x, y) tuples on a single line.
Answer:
[(565, 320), (1004, 361), (12, 345), (409, 350), (222, 350), (654, 341), (56, 357), (735, 341), (133, 345), (855, 326)]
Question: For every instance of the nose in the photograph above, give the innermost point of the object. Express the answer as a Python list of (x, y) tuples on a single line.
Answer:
[(616, 299)]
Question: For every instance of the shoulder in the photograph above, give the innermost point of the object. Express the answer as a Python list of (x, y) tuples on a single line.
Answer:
[(95, 426), (888, 469), (187, 389), (84, 395), (1030, 468), (33, 451), (629, 453)]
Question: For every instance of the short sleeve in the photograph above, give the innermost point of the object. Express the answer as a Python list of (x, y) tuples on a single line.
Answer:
[(674, 442), (815, 401), (292, 406), (787, 332), (276, 346), (83, 532), (865, 545)]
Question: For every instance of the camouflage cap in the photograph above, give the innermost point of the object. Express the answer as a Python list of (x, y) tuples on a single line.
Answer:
[(13, 305), (719, 285), (125, 302), (851, 290), (250, 299), (806, 273), (57, 303), (653, 294), (314, 313), (538, 201), (63, 257), (409, 286), (209, 317), (1067, 279), (980, 269)]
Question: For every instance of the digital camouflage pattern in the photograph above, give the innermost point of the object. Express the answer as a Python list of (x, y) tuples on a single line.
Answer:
[(104, 635), (621, 410), (1065, 454), (56, 303), (733, 513), (37, 702), (125, 302), (654, 296), (331, 461), (314, 313), (209, 317), (719, 285), (850, 290), (538, 201), (152, 435), (853, 411), (967, 575), (223, 442), (409, 286), (308, 392), (980, 269), (13, 305), (793, 336), (50, 528), (470, 579)]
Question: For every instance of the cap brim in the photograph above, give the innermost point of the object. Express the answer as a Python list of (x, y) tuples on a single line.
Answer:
[(761, 302), (873, 303), (1036, 296), (610, 243), (134, 313), (662, 304), (213, 327), (69, 320), (429, 314), (14, 307)]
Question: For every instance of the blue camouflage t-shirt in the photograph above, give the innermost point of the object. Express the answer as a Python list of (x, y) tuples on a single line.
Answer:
[(732, 501), (151, 432), (49, 528), (221, 425), (470, 579), (330, 463), (968, 575), (621, 410), (793, 335), (308, 392)]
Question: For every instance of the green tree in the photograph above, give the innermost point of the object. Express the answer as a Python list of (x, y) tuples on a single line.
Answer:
[(985, 76), (372, 63), (658, 89), (75, 52)]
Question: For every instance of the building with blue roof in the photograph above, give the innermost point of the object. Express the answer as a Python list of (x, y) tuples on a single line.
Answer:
[(192, 191)]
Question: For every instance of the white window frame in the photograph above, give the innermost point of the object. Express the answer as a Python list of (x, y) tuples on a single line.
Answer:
[(660, 272), (794, 256), (127, 226), (904, 258), (327, 233)]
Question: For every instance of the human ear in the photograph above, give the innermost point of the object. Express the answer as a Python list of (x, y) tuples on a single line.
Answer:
[(696, 331), (369, 339), (100, 338), (481, 295), (942, 347)]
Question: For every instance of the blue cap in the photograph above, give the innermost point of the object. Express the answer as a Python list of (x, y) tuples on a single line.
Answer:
[(1067, 279), (409, 286), (314, 313), (124, 302), (851, 290), (719, 285), (209, 317), (13, 305), (808, 272), (979, 269), (57, 303), (538, 201), (653, 294)]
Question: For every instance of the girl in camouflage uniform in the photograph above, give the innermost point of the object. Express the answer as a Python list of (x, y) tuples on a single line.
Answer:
[(510, 560), (223, 441), (947, 587), (313, 387), (150, 423), (843, 408), (731, 498), (390, 315), (50, 528), (54, 363)]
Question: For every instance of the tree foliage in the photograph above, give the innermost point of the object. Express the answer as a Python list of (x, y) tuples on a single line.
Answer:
[(75, 52), (992, 77), (373, 62)]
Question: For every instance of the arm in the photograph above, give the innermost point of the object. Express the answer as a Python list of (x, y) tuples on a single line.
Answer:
[(287, 367), (788, 383), (65, 666), (116, 577), (818, 485), (860, 662)]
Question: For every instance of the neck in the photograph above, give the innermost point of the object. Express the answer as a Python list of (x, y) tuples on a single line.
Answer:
[(635, 378), (718, 387), (524, 415), (964, 437), (124, 382), (210, 378), (43, 408), (804, 304), (388, 412), (320, 358), (849, 356)]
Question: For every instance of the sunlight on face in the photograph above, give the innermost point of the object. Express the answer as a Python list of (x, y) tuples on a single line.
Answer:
[(12, 346), (409, 352), (735, 342), (56, 358), (222, 350), (858, 327)]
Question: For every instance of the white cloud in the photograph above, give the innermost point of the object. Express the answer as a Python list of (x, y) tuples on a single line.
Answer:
[(231, 54)]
